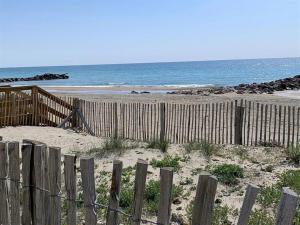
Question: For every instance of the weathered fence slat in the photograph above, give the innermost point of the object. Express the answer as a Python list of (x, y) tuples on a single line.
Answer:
[(55, 185), (238, 125), (204, 200), (89, 193), (248, 203), (70, 185), (287, 207), (14, 175), (164, 208), (39, 202), (139, 189), (112, 216), (27, 157), (4, 207)]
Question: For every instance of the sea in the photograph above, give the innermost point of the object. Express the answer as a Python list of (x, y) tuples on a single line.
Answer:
[(178, 74)]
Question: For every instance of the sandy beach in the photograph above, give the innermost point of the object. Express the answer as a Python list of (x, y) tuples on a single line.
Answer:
[(158, 94), (253, 160)]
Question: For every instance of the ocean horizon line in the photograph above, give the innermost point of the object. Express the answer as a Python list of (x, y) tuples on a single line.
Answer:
[(153, 62)]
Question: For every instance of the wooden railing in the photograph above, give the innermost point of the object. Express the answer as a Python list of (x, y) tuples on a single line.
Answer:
[(36, 199), (31, 105)]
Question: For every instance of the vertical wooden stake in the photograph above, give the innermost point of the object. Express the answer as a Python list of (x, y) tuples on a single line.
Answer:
[(112, 216), (70, 185), (39, 181), (248, 203), (27, 157), (89, 193), (164, 208), (139, 189), (287, 207), (162, 121), (115, 120), (14, 175), (4, 207), (204, 200), (238, 125), (55, 185)]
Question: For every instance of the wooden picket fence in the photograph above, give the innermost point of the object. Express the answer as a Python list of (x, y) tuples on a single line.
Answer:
[(33, 194), (230, 122)]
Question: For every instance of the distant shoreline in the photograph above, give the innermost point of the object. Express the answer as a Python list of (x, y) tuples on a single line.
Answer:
[(126, 89), (154, 90)]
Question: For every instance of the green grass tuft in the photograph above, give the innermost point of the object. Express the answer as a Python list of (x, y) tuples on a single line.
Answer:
[(167, 161), (158, 144), (115, 146), (228, 173), (293, 153), (206, 149), (152, 193), (261, 217)]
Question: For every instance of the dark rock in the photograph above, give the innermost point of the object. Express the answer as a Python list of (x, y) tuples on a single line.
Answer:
[(145, 92), (134, 92), (45, 76)]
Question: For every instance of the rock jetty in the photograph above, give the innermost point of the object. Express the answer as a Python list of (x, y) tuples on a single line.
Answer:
[(290, 83), (45, 76)]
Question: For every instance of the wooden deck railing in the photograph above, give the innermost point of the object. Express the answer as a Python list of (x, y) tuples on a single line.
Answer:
[(31, 105)]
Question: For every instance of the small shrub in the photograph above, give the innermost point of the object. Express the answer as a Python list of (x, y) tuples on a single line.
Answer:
[(158, 144), (126, 197), (270, 144), (220, 216), (291, 179), (192, 146), (112, 146), (293, 153), (205, 148), (167, 161), (228, 173), (261, 217), (241, 152), (152, 193), (269, 196)]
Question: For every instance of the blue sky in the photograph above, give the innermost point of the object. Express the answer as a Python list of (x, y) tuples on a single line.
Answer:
[(75, 32)]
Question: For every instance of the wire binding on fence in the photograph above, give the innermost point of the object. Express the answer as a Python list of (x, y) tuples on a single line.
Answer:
[(95, 204)]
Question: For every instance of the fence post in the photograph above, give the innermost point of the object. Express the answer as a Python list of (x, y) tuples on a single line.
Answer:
[(139, 190), (14, 175), (27, 157), (39, 181), (204, 200), (34, 95), (287, 207), (248, 203), (4, 207), (70, 185), (13, 110), (162, 121), (164, 208), (116, 120), (75, 118), (55, 185), (112, 216), (89, 193), (238, 125)]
